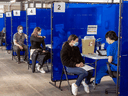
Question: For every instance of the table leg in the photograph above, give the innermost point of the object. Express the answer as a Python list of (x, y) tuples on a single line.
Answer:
[(95, 74)]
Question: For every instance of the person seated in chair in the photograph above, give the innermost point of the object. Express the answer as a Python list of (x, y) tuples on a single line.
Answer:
[(72, 59), (2, 37), (36, 51), (18, 41), (112, 51)]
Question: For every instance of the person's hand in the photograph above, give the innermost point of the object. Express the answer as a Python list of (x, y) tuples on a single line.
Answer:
[(21, 47), (40, 36), (44, 37), (77, 65), (81, 64), (43, 51)]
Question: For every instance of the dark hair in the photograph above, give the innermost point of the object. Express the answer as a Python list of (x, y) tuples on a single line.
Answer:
[(19, 27), (112, 35), (35, 32), (72, 37)]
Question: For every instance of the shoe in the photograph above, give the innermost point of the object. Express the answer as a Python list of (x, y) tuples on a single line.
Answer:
[(86, 87), (74, 89), (37, 65), (93, 83), (41, 70)]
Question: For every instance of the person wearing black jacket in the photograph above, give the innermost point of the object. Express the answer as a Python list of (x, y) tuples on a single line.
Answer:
[(38, 53), (2, 37), (72, 59)]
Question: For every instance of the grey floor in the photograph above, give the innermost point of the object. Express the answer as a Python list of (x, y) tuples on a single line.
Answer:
[(17, 80)]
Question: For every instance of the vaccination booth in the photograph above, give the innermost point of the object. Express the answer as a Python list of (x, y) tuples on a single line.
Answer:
[(76, 18), (18, 18), (39, 18)]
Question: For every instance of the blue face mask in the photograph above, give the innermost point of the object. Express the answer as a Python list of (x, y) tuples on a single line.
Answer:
[(39, 34), (76, 44), (21, 31)]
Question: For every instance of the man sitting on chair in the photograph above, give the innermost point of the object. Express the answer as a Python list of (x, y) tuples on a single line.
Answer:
[(18, 40)]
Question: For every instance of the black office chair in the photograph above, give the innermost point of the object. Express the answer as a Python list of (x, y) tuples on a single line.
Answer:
[(112, 74)]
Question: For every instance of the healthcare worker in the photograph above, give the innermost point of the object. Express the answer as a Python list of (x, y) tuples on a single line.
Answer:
[(112, 51)]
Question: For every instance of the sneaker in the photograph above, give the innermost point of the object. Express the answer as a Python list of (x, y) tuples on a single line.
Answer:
[(74, 89), (41, 70), (37, 65), (86, 87), (93, 83)]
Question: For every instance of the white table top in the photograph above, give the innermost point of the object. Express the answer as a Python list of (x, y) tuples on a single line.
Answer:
[(94, 56), (48, 45)]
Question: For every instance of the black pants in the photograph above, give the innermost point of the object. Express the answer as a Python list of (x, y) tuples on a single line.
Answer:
[(40, 57), (17, 50)]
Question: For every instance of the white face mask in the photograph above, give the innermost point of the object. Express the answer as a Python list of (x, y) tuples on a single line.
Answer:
[(21, 31), (107, 42)]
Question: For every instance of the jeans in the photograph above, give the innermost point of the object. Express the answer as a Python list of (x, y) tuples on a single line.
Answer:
[(82, 74)]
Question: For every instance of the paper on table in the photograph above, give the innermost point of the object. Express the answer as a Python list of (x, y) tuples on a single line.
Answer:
[(87, 68)]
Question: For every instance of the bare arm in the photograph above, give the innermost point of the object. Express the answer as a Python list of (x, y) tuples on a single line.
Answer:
[(110, 59)]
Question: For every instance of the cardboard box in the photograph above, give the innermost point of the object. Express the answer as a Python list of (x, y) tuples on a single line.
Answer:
[(88, 46)]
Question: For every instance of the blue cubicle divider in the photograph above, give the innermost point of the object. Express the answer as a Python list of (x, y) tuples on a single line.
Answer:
[(2, 22), (8, 32), (42, 19), (16, 21), (124, 52), (75, 21)]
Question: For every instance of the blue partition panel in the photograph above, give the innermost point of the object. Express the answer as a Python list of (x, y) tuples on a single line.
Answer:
[(124, 52), (16, 21), (2, 23), (42, 19), (8, 33), (75, 21)]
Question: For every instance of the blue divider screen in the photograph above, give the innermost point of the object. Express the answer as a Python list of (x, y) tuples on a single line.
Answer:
[(2, 23), (16, 21), (124, 52), (8, 33), (42, 19), (75, 21)]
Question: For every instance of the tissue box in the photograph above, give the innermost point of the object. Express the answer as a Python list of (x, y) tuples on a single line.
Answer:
[(88, 46)]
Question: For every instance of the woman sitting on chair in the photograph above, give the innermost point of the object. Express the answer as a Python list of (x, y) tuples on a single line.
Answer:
[(37, 52), (72, 59)]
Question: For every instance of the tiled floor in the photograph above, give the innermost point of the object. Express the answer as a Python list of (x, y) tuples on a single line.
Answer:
[(17, 80)]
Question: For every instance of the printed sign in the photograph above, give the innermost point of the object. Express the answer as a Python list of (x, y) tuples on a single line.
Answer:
[(59, 7), (31, 11), (16, 12), (8, 14), (92, 29)]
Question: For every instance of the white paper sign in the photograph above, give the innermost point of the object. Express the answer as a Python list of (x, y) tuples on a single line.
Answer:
[(59, 7), (16, 12), (8, 14), (92, 29), (1, 15), (31, 11)]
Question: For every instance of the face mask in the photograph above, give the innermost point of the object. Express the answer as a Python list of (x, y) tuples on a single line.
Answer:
[(76, 44), (21, 31), (39, 34)]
